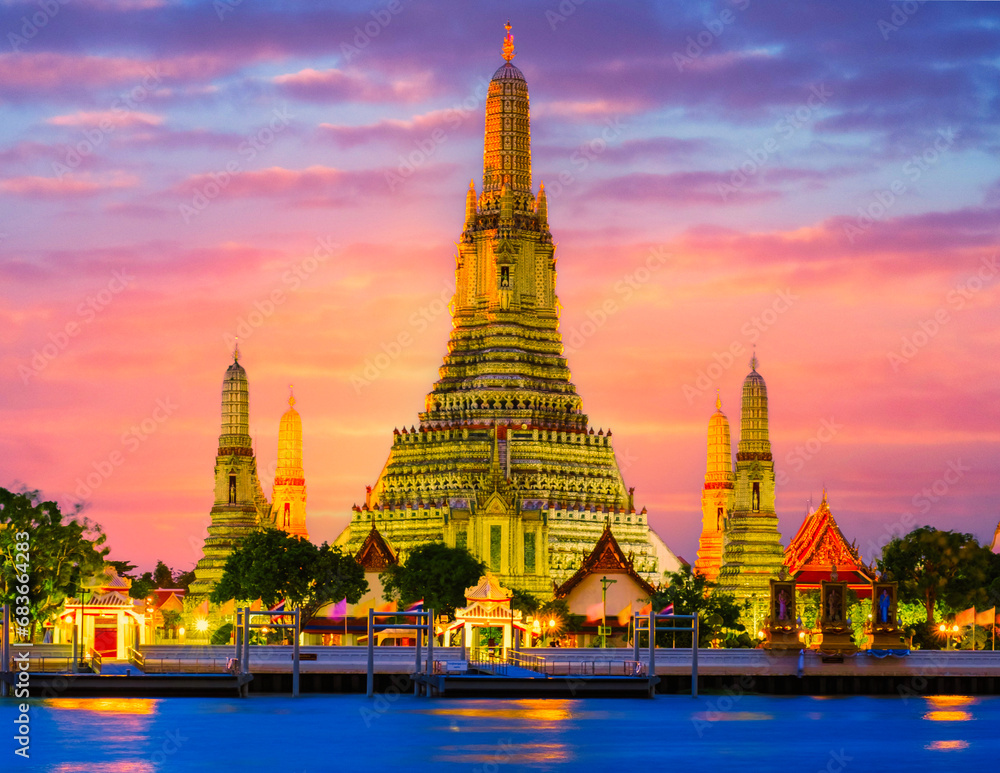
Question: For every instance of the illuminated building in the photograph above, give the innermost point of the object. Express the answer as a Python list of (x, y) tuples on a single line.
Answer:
[(716, 495), (752, 553), (504, 461), (819, 551), (240, 503), (288, 497)]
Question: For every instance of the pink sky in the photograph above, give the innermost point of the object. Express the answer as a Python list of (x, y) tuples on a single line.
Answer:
[(822, 182)]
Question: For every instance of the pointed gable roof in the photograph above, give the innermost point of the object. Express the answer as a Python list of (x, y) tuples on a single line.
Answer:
[(818, 546), (605, 558), (375, 553)]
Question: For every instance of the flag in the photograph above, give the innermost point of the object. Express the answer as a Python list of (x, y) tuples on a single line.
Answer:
[(646, 609), (202, 608), (987, 617), (625, 616), (255, 606), (416, 606), (228, 608), (339, 610), (389, 606), (279, 607), (595, 612), (667, 610), (967, 617)]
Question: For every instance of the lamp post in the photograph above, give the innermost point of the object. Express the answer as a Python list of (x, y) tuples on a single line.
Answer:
[(605, 582)]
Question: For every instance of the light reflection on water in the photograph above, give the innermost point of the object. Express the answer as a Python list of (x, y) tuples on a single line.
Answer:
[(340, 732)]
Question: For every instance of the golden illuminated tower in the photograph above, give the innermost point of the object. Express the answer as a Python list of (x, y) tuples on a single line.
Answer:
[(240, 505), (716, 496), (504, 460), (752, 555), (288, 497)]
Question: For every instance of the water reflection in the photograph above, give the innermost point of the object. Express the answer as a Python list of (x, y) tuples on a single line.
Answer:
[(507, 751), (118, 706), (947, 745), (104, 767)]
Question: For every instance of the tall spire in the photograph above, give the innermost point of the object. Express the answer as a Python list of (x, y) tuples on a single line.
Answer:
[(507, 146), (717, 494)]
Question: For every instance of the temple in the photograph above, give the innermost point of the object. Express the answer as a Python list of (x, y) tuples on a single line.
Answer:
[(504, 460), (819, 551), (240, 505), (752, 553), (716, 495)]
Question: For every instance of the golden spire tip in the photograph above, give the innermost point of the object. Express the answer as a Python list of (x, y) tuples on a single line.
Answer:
[(508, 43)]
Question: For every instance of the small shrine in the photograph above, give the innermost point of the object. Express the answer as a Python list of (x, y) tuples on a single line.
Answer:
[(782, 623), (106, 618), (605, 587), (489, 607), (819, 552), (885, 630)]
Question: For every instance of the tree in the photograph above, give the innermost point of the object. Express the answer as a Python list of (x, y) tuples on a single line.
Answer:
[(61, 554), (436, 573), (524, 601), (692, 593), (163, 575), (271, 566), (934, 566)]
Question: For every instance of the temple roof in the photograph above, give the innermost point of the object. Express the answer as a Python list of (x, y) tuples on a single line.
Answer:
[(488, 589), (375, 553), (606, 558), (819, 546)]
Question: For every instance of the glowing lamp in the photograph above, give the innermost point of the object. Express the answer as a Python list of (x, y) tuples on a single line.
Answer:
[(954, 629), (201, 625), (552, 622), (180, 631), (942, 628)]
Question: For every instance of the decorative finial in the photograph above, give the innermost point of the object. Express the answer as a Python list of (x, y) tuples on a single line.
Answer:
[(508, 43), (754, 362), (718, 400), (291, 396), (236, 351)]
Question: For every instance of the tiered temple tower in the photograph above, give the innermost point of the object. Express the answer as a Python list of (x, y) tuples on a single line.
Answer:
[(752, 554), (716, 496), (240, 505), (504, 460), (288, 497)]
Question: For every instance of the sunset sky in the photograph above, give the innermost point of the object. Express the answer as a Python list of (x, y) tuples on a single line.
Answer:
[(818, 179)]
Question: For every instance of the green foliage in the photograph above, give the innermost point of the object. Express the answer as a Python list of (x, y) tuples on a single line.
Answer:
[(270, 565), (163, 576), (526, 602), (222, 634), (62, 554), (141, 586), (934, 566), (693, 594), (436, 573), (184, 579)]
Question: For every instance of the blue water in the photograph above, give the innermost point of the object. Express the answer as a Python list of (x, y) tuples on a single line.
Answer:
[(403, 733)]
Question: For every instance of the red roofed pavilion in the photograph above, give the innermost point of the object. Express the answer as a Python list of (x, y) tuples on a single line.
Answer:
[(819, 548)]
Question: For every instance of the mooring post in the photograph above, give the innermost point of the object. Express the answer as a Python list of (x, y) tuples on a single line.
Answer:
[(416, 671), (371, 653), (652, 654), (5, 651), (694, 657), (295, 658), (430, 651)]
